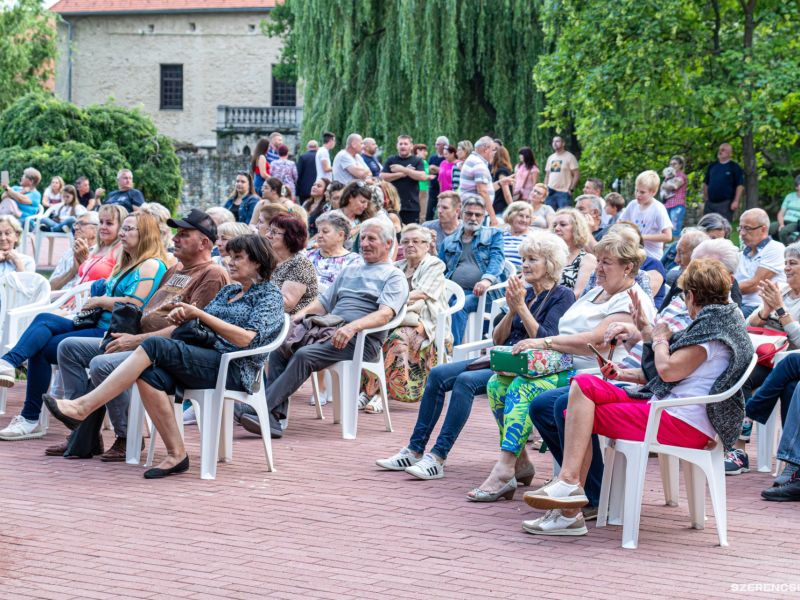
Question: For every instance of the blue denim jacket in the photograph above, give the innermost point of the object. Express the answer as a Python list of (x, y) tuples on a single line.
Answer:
[(487, 246), (246, 208)]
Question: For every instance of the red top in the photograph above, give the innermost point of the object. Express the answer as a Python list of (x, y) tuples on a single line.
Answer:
[(97, 267)]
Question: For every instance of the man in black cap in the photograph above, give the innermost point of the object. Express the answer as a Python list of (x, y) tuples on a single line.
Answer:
[(196, 279)]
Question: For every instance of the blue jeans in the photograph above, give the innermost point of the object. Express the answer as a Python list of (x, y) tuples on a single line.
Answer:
[(46, 224), (38, 345), (747, 309), (556, 200), (458, 321), (789, 446), (464, 385), (779, 384), (547, 414), (676, 214)]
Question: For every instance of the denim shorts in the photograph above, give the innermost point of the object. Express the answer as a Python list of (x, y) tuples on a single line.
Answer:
[(177, 364)]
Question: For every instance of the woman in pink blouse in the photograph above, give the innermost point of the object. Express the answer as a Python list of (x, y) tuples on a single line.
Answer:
[(446, 169), (526, 175)]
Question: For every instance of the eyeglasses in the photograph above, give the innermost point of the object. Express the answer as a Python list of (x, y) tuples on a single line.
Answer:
[(744, 228), (127, 229), (274, 232), (472, 215), (415, 242)]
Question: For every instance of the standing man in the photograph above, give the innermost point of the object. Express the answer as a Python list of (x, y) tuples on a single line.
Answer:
[(761, 258), (348, 164), (476, 178), (448, 221), (307, 170), (368, 154), (723, 184), (275, 141), (433, 168), (561, 175), (323, 157), (125, 195), (405, 171)]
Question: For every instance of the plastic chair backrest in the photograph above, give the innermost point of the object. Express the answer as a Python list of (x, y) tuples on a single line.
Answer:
[(21, 289)]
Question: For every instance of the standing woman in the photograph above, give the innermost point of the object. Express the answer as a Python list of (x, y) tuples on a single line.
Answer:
[(501, 176), (315, 205), (674, 190), (571, 226), (134, 280), (463, 150), (52, 193), (526, 175), (259, 166), (65, 214), (244, 198), (246, 314), (294, 275), (543, 214), (285, 169), (445, 175)]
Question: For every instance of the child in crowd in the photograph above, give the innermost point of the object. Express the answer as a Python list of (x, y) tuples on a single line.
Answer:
[(65, 213), (651, 216), (614, 205)]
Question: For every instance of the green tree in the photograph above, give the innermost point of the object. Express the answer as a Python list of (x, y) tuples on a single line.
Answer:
[(59, 138), (647, 79), (425, 67), (27, 49)]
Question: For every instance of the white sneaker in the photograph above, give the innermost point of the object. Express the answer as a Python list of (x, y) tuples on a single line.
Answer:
[(189, 418), (557, 494), (324, 398), (399, 462), (555, 523), (21, 429), (8, 374), (363, 400), (427, 468)]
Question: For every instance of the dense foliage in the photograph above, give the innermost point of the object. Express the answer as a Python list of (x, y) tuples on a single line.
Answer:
[(27, 49), (59, 138), (424, 67)]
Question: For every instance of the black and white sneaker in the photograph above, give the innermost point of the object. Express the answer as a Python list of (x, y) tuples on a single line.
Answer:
[(399, 462), (427, 468), (736, 462)]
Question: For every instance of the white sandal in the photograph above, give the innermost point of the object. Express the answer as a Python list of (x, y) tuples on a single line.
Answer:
[(375, 405)]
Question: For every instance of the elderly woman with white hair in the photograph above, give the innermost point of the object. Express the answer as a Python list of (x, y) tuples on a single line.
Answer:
[(533, 312), (10, 259), (518, 218), (330, 256), (409, 351)]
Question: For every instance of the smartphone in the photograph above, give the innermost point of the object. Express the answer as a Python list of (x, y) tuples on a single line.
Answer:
[(4, 178), (596, 352)]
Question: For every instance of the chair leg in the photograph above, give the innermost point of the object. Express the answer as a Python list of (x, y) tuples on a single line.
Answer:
[(696, 493), (263, 418), (616, 493), (210, 434), (133, 446), (336, 394), (669, 478), (3, 398), (50, 250), (151, 451), (384, 397), (226, 433), (716, 487), (765, 441), (605, 486), (349, 402), (315, 393), (634, 490)]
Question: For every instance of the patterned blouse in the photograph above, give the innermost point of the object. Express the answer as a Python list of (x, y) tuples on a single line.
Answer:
[(286, 171), (569, 276), (300, 270), (260, 309), (329, 267)]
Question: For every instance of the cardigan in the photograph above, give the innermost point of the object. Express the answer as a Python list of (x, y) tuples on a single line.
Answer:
[(428, 278)]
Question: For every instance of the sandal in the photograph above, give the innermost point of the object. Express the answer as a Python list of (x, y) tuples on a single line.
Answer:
[(375, 405)]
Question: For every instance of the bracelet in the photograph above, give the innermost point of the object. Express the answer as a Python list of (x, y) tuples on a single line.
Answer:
[(660, 342), (764, 318)]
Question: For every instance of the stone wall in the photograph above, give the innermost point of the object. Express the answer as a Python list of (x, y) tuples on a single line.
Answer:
[(208, 178)]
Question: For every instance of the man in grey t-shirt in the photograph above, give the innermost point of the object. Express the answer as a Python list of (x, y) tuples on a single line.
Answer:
[(365, 296), (348, 164)]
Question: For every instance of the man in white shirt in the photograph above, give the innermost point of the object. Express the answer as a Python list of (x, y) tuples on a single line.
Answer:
[(348, 164), (323, 157), (561, 175), (761, 258)]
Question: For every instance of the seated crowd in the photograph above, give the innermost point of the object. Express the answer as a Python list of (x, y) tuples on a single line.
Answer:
[(343, 245)]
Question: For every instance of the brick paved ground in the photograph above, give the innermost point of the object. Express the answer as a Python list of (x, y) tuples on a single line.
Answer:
[(329, 524)]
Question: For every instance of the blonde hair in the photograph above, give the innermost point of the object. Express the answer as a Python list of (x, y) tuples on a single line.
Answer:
[(390, 197), (649, 180), (550, 247), (220, 215), (580, 226), (161, 213), (232, 228), (514, 209), (14, 223), (150, 243), (622, 247), (119, 212)]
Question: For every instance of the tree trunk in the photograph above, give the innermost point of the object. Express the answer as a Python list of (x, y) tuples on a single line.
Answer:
[(748, 143)]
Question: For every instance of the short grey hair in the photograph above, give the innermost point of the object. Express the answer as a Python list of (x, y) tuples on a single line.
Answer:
[(597, 202), (484, 141), (383, 225), (353, 137), (335, 219), (442, 139), (91, 217), (761, 216), (312, 145), (713, 221), (13, 222), (423, 231), (472, 200), (548, 246), (234, 228), (220, 215), (692, 237), (721, 249), (121, 171), (792, 250)]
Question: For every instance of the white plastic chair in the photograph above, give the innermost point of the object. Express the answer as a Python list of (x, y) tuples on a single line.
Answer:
[(26, 226), (474, 329), (51, 236), (214, 408), (452, 289), (626, 463), (768, 434), (346, 376)]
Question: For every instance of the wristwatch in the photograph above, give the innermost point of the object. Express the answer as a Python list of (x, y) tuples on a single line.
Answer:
[(548, 343), (781, 312)]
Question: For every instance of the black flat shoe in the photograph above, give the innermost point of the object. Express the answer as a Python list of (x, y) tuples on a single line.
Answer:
[(52, 406), (156, 473)]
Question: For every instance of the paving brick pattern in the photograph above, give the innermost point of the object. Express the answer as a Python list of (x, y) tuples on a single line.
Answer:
[(329, 524)]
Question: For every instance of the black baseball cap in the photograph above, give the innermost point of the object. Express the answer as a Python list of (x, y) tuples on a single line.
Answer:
[(197, 219)]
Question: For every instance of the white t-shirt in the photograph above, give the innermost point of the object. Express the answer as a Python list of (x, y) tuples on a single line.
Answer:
[(559, 169), (585, 315), (653, 219), (344, 160), (699, 383), (323, 153), (770, 257)]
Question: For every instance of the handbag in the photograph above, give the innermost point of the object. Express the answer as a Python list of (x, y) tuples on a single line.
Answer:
[(528, 363), (194, 333), (125, 318), (767, 342), (89, 317)]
